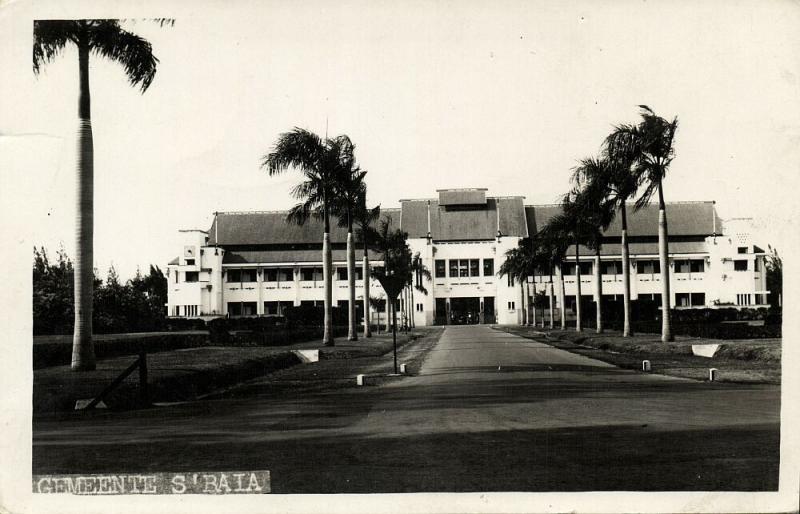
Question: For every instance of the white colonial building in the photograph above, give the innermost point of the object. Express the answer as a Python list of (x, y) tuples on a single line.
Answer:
[(256, 264)]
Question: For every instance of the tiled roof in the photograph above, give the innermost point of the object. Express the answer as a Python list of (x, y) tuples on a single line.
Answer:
[(289, 256), (449, 224), (259, 228), (174, 261), (683, 219), (462, 197)]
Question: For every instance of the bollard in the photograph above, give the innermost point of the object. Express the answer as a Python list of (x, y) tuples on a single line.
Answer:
[(645, 365), (712, 374), (360, 380), (402, 369)]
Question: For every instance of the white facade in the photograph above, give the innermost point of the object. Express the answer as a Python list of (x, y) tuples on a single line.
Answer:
[(254, 264)]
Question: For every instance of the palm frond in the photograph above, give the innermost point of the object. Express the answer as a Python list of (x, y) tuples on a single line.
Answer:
[(134, 53), (49, 39), (297, 148)]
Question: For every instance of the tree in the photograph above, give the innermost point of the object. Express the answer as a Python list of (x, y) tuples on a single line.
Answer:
[(348, 190), (319, 160), (108, 39), (774, 265), (597, 210), (620, 182), (396, 271), (573, 224), (364, 218), (518, 265), (554, 239), (651, 145)]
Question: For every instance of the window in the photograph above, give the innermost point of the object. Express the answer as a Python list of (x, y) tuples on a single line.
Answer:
[(341, 273), (359, 273), (286, 275), (757, 265), (192, 276), (248, 308), (740, 265), (190, 262), (176, 278), (654, 297), (419, 307), (310, 274), (682, 300), (234, 275), (586, 268), (234, 309), (568, 268), (682, 266), (463, 268), (741, 249), (510, 280), (270, 308), (474, 268), (249, 275), (441, 268), (488, 267), (511, 306), (270, 275), (453, 268), (648, 267), (698, 299), (611, 267), (698, 266)]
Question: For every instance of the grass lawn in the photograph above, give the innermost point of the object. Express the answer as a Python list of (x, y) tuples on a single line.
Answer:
[(740, 361)]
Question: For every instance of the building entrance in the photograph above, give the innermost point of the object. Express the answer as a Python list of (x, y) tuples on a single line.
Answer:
[(465, 311)]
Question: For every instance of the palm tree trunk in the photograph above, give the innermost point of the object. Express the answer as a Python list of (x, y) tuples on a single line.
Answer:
[(598, 276), (327, 265), (523, 313), (365, 271), (551, 298), (577, 288), (352, 330), (626, 276), (413, 309), (663, 257), (83, 358), (562, 291)]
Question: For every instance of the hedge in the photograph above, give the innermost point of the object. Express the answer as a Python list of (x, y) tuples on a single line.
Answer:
[(60, 353)]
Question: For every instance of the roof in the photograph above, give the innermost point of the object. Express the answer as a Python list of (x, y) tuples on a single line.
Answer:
[(476, 223), (269, 227), (288, 256), (683, 219)]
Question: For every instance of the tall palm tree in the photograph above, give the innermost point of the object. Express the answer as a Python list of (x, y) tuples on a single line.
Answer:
[(621, 183), (319, 160), (349, 189), (364, 218), (517, 265), (572, 223), (598, 211), (651, 143), (104, 38)]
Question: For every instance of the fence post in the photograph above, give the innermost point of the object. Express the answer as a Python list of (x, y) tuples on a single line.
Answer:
[(144, 396)]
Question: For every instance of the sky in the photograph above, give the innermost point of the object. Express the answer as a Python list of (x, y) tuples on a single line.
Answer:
[(502, 95)]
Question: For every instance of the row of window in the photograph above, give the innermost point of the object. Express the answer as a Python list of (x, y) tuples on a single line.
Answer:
[(285, 275), (463, 268), (279, 307)]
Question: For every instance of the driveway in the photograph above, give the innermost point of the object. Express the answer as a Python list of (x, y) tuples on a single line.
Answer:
[(489, 411)]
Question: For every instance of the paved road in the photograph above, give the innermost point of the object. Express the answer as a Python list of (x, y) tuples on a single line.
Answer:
[(488, 411)]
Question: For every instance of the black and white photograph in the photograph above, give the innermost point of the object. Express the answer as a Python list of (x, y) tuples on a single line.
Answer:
[(424, 256)]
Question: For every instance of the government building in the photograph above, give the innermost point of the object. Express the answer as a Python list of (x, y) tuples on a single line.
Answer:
[(257, 264)]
